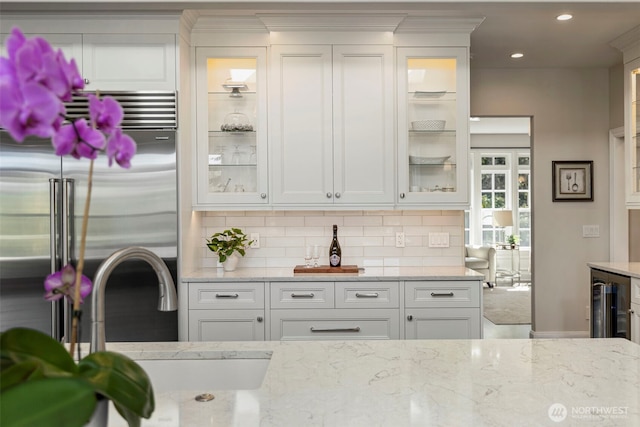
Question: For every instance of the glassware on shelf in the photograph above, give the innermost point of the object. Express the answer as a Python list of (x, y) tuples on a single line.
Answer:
[(236, 122), (252, 157), (235, 157)]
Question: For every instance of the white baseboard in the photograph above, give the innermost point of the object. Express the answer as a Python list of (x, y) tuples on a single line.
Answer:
[(559, 334)]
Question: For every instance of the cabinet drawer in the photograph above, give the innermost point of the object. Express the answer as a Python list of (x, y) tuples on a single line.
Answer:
[(443, 323), (635, 290), (226, 325), (366, 294), (334, 324), (302, 295), (442, 294), (207, 296)]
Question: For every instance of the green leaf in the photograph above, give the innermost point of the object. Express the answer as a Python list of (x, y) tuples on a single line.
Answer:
[(51, 402), (19, 345), (16, 373), (120, 379)]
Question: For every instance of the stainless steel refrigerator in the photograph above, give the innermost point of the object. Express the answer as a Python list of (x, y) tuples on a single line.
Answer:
[(42, 198), (610, 305)]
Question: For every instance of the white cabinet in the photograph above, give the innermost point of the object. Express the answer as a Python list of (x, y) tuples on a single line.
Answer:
[(433, 126), (635, 310), (328, 310), (632, 128), (119, 62), (231, 154), (226, 312), (443, 310), (331, 125)]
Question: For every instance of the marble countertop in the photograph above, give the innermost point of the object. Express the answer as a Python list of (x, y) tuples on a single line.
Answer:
[(366, 274), (631, 269), (413, 382)]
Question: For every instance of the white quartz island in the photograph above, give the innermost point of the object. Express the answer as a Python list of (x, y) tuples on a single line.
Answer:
[(415, 382)]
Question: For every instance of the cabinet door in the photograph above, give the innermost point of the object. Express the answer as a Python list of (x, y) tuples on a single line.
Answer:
[(363, 143), (70, 44), (433, 128), (231, 153), (443, 323), (632, 125), (635, 323), (226, 325), (129, 61), (300, 124)]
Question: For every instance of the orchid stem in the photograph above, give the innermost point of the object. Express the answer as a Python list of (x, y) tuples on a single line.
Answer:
[(80, 266)]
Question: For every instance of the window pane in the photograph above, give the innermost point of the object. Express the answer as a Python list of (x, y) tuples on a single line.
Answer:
[(523, 161), (525, 238), (487, 237), (500, 235), (466, 219), (501, 161), (523, 181), (500, 181), (487, 200), (487, 161), (523, 200), (466, 237), (524, 220), (500, 197), (486, 181)]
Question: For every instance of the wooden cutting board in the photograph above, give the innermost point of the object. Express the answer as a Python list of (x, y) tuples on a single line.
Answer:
[(324, 269)]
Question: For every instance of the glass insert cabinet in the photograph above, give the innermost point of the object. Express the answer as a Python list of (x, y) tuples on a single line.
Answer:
[(433, 128), (633, 154), (231, 154)]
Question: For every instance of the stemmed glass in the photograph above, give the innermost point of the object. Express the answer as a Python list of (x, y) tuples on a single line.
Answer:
[(235, 157), (307, 257), (315, 255)]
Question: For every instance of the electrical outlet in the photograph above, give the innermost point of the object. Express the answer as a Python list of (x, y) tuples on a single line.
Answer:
[(256, 240), (590, 231), (399, 239), (438, 240)]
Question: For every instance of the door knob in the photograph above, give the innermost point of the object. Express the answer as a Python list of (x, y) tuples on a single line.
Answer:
[(329, 195), (337, 195), (402, 195), (259, 319), (409, 318)]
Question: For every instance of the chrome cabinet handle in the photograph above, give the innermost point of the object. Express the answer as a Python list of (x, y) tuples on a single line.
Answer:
[(441, 294), (337, 195), (263, 195), (356, 329), (309, 295), (631, 311), (86, 81), (409, 318), (402, 195), (259, 319), (329, 195), (226, 295), (371, 295)]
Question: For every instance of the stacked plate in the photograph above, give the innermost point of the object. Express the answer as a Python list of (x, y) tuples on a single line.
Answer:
[(428, 124)]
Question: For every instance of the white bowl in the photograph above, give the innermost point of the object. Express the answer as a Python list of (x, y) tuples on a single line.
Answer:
[(428, 124)]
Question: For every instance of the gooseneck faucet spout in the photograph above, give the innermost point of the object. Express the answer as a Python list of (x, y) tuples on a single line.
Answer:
[(168, 300)]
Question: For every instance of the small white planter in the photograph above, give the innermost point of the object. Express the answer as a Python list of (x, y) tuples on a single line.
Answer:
[(231, 262)]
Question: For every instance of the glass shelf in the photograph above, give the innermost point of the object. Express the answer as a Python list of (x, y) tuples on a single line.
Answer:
[(231, 165), (434, 165), (445, 132)]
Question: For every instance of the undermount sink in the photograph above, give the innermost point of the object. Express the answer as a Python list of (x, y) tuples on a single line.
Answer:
[(204, 375)]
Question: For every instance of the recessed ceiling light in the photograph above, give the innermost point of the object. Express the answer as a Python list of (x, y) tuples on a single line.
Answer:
[(517, 55), (564, 17)]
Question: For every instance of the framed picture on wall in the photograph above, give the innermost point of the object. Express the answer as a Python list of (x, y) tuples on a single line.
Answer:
[(572, 180)]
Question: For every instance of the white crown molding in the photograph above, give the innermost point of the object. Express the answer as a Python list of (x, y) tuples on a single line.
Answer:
[(439, 24), (331, 21), (228, 23), (629, 44)]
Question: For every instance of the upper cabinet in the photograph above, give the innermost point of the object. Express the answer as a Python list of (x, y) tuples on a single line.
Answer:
[(433, 126), (129, 62), (231, 152), (629, 44), (331, 125)]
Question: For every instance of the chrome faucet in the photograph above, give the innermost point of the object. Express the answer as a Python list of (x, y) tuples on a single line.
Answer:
[(168, 300)]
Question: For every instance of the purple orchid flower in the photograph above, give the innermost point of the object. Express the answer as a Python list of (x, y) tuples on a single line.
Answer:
[(61, 284), (121, 148), (105, 114), (78, 139)]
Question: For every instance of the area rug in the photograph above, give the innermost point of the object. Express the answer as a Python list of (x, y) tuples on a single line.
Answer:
[(507, 305)]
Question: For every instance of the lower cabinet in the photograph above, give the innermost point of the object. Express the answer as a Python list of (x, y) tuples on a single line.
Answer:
[(327, 310), (635, 323)]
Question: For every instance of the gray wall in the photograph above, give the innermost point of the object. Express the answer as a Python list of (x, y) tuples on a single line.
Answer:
[(570, 109)]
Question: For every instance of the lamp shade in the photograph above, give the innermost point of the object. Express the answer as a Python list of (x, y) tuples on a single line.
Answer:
[(503, 218)]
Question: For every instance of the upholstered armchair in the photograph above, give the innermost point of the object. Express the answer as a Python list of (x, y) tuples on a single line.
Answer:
[(483, 260)]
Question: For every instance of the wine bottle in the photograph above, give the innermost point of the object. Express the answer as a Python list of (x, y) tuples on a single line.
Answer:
[(335, 253)]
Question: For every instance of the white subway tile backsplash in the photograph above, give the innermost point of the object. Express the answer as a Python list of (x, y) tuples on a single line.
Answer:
[(367, 238)]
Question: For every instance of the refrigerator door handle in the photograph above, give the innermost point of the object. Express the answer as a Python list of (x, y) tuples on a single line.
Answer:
[(57, 261), (67, 219)]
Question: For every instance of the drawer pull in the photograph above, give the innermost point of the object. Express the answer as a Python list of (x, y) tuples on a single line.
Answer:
[(356, 329), (441, 294), (371, 295), (309, 295), (226, 295)]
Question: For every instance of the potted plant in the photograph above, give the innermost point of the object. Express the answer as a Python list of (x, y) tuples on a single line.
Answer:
[(513, 240), (40, 382), (227, 244)]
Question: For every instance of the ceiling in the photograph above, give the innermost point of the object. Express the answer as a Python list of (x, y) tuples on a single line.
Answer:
[(529, 27)]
